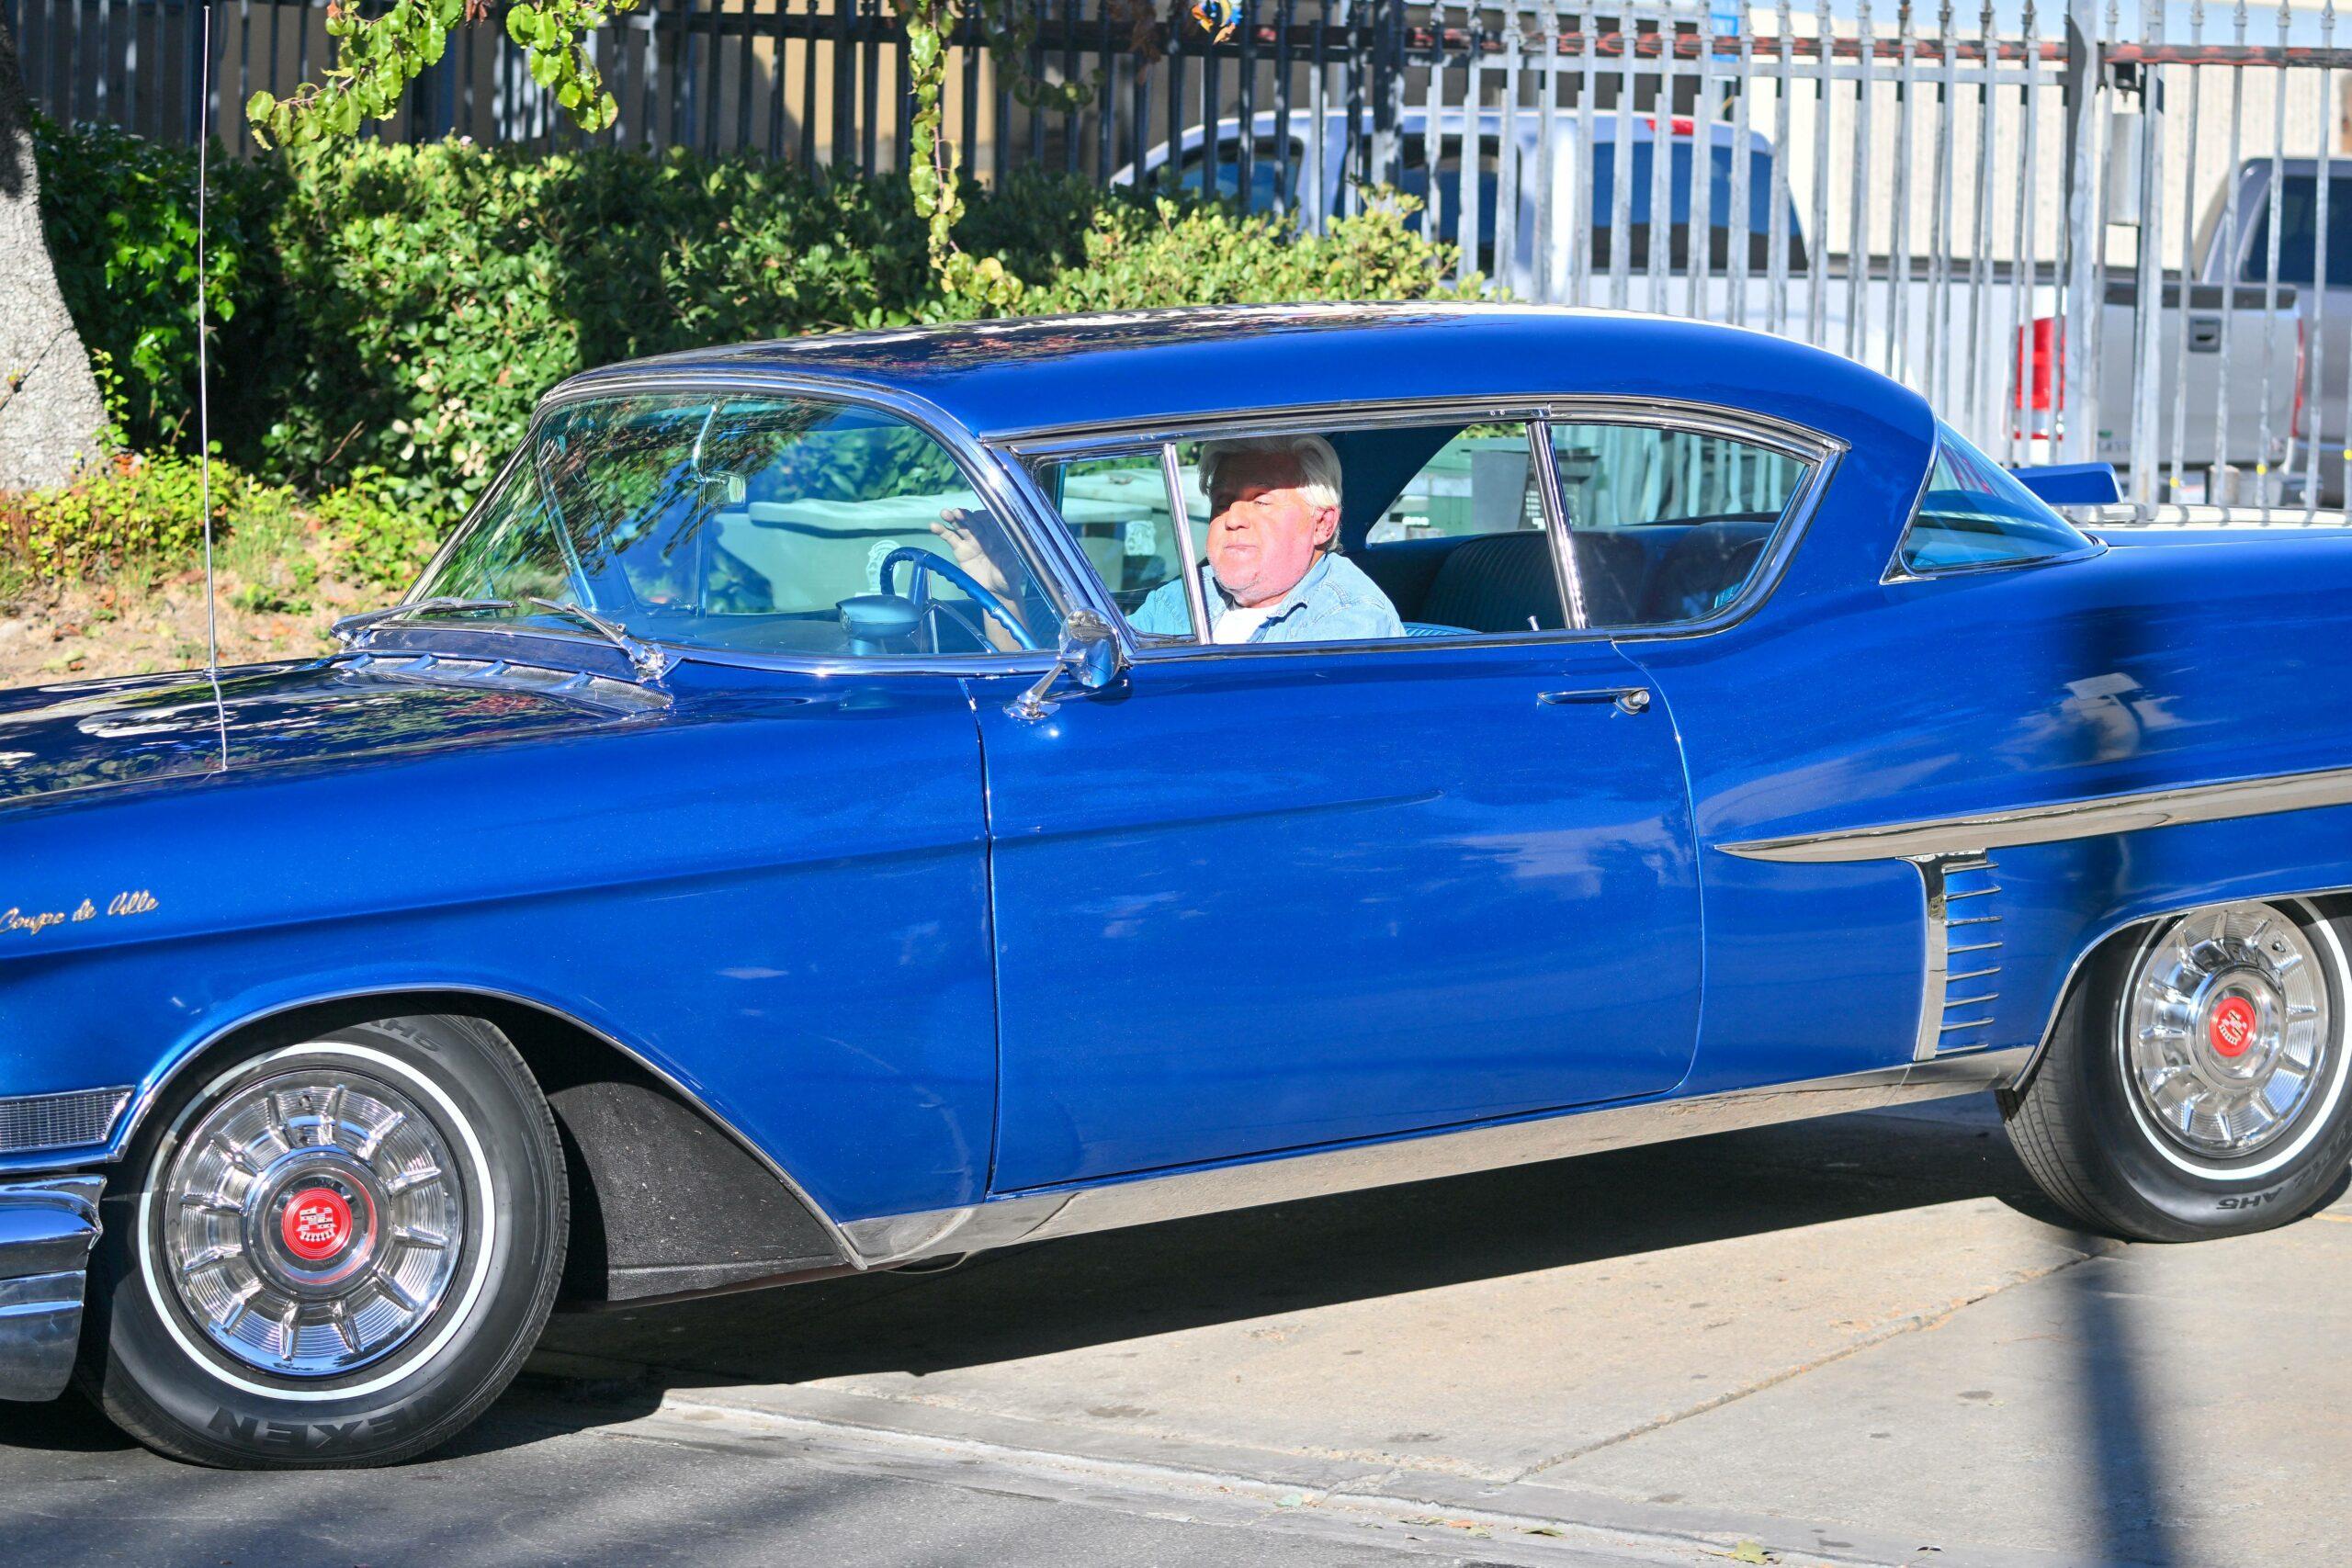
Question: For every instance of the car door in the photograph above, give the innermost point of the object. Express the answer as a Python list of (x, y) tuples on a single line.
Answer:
[(1251, 899)]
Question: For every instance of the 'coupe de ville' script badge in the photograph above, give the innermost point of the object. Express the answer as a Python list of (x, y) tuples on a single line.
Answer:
[(16, 921)]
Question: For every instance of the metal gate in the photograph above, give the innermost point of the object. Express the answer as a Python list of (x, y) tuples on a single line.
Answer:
[(2077, 241)]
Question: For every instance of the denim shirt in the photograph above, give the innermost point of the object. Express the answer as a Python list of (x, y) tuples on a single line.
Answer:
[(1335, 601)]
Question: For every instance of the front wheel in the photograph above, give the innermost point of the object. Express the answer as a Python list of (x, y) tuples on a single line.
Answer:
[(2195, 1085), (332, 1253)]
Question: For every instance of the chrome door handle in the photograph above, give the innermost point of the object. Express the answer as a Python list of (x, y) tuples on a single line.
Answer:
[(1629, 699)]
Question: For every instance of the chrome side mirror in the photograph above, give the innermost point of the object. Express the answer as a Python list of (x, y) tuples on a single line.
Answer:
[(1090, 655)]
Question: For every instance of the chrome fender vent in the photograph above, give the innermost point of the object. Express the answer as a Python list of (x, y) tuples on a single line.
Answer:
[(1963, 975)]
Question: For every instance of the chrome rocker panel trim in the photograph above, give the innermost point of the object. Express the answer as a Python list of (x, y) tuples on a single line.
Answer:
[(1039, 1216), (2090, 818), (47, 1226)]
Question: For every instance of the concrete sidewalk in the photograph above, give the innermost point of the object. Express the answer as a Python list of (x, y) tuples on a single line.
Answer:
[(1858, 1340)]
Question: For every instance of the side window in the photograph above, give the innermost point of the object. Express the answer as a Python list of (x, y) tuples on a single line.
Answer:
[(1667, 525), (1117, 509), (1975, 514), (1477, 482), (1461, 546)]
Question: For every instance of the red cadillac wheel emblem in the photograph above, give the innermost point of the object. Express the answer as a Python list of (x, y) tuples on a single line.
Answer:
[(2232, 1025), (317, 1224)]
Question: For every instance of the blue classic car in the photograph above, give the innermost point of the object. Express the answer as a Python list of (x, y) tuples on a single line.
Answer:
[(847, 802)]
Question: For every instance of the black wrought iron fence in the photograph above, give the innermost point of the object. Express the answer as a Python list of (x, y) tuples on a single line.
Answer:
[(824, 82), (2077, 240)]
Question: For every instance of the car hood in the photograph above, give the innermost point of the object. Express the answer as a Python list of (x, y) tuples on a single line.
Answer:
[(92, 734)]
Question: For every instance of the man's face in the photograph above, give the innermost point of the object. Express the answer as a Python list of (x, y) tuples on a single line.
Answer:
[(1265, 533)]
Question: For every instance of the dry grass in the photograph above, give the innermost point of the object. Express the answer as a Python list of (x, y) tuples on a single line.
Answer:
[(276, 600)]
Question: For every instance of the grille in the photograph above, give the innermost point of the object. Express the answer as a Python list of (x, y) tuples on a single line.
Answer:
[(32, 1121)]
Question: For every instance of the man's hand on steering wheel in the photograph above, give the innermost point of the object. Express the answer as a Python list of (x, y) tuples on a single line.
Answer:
[(977, 555)]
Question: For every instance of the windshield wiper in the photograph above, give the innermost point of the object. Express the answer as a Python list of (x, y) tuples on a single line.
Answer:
[(651, 663), (350, 627)]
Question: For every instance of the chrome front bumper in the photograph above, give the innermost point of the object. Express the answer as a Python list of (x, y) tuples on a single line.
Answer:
[(47, 1226)]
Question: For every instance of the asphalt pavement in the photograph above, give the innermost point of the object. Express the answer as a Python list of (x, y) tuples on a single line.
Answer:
[(1864, 1340)]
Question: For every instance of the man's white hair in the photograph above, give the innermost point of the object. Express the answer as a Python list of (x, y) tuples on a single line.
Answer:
[(1318, 466)]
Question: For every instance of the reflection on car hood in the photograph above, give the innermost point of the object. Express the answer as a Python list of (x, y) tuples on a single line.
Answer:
[(90, 733)]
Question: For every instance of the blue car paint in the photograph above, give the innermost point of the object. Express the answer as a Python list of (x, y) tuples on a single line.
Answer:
[(1994, 690), (1256, 903), (777, 890), (776, 894)]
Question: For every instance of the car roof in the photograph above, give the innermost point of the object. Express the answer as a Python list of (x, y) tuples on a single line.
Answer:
[(1028, 375)]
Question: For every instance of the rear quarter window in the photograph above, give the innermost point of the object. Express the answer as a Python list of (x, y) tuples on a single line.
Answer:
[(1976, 514)]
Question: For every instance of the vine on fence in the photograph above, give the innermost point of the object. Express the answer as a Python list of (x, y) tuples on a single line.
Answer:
[(376, 59), (1009, 29)]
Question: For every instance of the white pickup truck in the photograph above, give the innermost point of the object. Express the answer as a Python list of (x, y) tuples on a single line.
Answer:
[(1916, 319), (2234, 252)]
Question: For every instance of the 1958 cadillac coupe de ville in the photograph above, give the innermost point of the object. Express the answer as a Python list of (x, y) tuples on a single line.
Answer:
[(810, 818)]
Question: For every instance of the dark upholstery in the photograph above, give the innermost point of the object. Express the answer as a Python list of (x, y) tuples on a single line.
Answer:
[(1497, 582), (1609, 567), (1705, 566)]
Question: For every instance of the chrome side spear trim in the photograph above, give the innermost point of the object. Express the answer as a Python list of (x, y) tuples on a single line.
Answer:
[(2050, 824)]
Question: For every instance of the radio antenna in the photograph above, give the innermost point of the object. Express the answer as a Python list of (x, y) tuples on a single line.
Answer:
[(204, 382)]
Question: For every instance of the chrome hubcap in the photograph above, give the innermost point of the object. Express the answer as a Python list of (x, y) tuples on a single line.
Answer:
[(2228, 1033), (313, 1222)]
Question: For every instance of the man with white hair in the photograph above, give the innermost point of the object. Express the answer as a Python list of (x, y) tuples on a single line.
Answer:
[(1272, 573)]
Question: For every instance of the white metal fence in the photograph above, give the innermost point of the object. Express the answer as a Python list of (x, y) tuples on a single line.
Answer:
[(2080, 235), (2078, 240)]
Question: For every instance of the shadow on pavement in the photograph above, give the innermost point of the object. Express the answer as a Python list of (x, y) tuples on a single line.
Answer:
[(68, 1426), (1096, 1290)]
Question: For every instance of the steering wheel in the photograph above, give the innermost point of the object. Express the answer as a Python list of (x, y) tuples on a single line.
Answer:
[(919, 588)]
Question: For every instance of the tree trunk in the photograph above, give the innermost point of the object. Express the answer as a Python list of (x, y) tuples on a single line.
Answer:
[(50, 414)]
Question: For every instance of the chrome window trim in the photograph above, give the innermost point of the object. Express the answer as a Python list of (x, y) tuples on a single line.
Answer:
[(1980, 832), (1149, 1197), (1196, 597), (1821, 452), (974, 459), (1564, 573)]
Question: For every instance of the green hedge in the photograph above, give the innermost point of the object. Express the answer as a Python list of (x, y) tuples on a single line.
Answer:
[(119, 212), (397, 310)]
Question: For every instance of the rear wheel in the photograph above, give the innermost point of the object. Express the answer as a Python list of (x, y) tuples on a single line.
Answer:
[(334, 1252), (2195, 1085)]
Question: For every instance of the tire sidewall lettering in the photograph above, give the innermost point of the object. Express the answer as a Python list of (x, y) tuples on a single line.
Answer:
[(2210, 1196)]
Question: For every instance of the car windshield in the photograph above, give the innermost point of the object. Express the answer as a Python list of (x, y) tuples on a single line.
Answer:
[(752, 522)]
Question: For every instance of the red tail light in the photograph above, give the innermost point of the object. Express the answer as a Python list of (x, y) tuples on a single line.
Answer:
[(2041, 380), (1680, 125)]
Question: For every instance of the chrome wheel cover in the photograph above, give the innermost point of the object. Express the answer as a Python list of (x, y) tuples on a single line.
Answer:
[(313, 1222), (2228, 1029)]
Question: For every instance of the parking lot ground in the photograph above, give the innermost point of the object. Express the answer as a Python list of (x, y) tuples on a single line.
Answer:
[(1858, 1340), (1854, 1336)]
